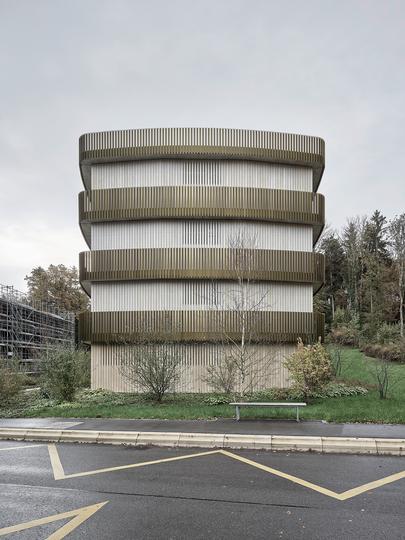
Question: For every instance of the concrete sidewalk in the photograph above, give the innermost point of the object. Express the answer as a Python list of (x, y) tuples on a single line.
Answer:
[(269, 435), (227, 425)]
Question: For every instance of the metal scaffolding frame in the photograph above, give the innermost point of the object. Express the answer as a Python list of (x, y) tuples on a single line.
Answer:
[(28, 327)]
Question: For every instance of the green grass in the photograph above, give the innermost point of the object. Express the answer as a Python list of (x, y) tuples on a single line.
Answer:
[(360, 408)]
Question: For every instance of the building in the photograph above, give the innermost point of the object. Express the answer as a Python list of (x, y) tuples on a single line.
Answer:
[(185, 226), (27, 328)]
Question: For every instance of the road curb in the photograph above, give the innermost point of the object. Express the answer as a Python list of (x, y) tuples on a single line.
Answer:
[(335, 445)]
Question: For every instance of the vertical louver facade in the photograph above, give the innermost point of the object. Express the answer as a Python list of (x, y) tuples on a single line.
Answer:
[(192, 231)]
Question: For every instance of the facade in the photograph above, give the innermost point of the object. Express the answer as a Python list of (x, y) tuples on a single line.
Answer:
[(201, 239), (27, 328)]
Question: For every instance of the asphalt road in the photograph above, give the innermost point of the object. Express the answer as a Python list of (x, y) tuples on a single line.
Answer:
[(209, 495)]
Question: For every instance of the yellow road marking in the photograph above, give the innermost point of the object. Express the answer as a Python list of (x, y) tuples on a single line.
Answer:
[(281, 474), (57, 466), (371, 485), (79, 516), (20, 447), (339, 496), (59, 473)]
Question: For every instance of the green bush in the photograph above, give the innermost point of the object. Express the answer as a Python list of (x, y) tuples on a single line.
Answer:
[(342, 318), (339, 389), (387, 333), (330, 390), (10, 382), (64, 371), (310, 368), (218, 399), (391, 352), (345, 328), (345, 335)]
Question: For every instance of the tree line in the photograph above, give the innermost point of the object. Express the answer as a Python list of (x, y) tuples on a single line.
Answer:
[(363, 296)]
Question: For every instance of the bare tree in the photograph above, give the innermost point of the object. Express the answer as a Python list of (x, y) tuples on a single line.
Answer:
[(241, 360), (384, 374), (397, 241)]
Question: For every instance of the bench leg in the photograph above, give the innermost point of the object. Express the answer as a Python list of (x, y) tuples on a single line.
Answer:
[(237, 414), (298, 415)]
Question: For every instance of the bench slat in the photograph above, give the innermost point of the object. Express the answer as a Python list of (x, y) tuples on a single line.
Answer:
[(268, 404)]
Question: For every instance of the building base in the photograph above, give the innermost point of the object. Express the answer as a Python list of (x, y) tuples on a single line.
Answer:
[(264, 363)]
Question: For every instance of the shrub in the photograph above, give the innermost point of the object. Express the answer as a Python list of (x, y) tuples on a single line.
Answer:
[(339, 389), (387, 333), (217, 400), (64, 371), (330, 390), (391, 352), (345, 335), (342, 317), (310, 368), (10, 382), (345, 328), (154, 368), (222, 377)]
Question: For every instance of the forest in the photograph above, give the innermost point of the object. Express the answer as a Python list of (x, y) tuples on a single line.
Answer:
[(363, 296)]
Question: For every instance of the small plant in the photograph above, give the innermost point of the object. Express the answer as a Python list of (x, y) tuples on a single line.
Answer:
[(336, 360), (217, 400), (382, 375), (334, 389), (10, 381), (64, 371), (310, 368)]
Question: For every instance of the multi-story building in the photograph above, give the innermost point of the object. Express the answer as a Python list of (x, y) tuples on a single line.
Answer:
[(202, 238), (29, 327)]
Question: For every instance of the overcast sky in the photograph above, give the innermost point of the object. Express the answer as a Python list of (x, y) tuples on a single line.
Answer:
[(329, 68)]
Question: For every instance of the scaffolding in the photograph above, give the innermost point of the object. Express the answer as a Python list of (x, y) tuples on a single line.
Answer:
[(27, 328)]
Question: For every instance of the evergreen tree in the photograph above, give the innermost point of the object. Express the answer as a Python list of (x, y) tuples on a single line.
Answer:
[(333, 291)]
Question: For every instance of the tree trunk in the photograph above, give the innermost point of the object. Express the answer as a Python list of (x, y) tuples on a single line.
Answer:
[(401, 299)]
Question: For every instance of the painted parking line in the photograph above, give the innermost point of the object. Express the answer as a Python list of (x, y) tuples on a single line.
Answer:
[(59, 473), (78, 517), (343, 496)]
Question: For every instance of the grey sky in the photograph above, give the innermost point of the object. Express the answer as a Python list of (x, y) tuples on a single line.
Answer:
[(328, 68)]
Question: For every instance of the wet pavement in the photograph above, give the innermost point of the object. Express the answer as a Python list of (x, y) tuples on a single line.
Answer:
[(227, 425), (105, 492)]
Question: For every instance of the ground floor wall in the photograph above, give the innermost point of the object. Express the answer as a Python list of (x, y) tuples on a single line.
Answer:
[(265, 363)]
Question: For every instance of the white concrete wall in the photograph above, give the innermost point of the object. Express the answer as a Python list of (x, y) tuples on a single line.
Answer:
[(199, 295), (200, 233), (268, 369), (168, 172)]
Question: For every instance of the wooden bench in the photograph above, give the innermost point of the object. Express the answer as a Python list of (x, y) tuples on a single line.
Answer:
[(268, 404)]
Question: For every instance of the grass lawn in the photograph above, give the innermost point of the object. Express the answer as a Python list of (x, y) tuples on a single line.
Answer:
[(356, 369)]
